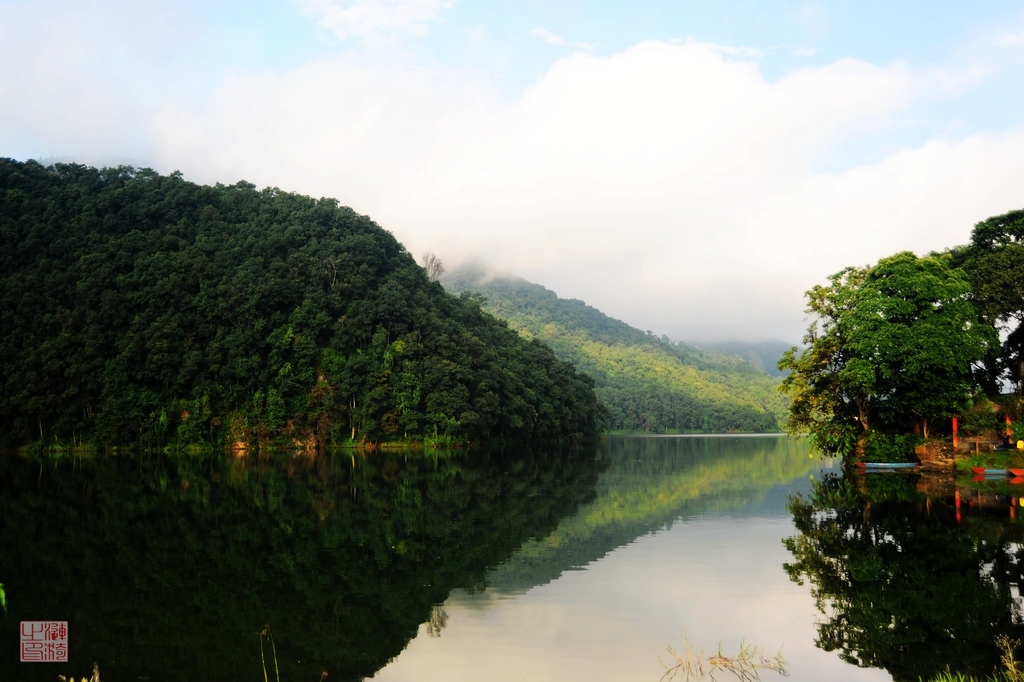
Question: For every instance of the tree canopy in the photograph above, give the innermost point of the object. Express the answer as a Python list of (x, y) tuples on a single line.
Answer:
[(892, 346), (994, 264), (139, 308)]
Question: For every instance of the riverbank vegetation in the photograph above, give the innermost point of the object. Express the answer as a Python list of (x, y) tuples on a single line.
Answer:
[(649, 384), (898, 348), (140, 309)]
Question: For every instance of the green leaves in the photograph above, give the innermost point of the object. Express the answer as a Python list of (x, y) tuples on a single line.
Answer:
[(648, 384), (993, 262), (142, 309)]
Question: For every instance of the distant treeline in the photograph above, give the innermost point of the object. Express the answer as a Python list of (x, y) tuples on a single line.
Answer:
[(648, 384), (139, 308)]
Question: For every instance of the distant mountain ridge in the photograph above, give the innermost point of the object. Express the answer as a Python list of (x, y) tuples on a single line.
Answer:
[(762, 354), (648, 384)]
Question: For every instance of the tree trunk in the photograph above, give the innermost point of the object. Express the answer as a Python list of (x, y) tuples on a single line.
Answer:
[(921, 426)]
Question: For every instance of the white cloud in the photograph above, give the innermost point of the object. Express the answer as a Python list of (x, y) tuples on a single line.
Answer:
[(552, 39), (813, 19), (1008, 39), (377, 19), (83, 79), (670, 185), (733, 51)]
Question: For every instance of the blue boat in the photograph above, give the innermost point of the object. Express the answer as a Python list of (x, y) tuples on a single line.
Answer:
[(886, 466)]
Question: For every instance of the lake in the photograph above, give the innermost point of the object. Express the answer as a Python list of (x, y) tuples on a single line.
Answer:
[(539, 564)]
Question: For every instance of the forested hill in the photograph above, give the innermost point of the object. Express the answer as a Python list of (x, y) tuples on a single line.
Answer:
[(138, 308), (648, 384)]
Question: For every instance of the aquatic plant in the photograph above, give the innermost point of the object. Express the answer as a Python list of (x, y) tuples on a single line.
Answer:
[(746, 664), (1011, 669), (266, 634), (94, 678)]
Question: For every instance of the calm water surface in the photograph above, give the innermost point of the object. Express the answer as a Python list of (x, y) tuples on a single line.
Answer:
[(503, 565), (692, 551)]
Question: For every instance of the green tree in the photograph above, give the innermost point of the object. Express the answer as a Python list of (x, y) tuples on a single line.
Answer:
[(649, 384), (994, 261), (891, 346), (146, 310)]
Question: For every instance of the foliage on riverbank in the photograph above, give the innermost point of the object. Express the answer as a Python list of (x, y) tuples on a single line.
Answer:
[(906, 344), (146, 310), (1010, 669)]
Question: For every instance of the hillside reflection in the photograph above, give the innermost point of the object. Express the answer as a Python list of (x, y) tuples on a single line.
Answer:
[(166, 567), (904, 583), (649, 484)]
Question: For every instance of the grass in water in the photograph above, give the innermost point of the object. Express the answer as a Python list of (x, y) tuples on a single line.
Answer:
[(95, 675), (746, 665), (265, 634), (1011, 668)]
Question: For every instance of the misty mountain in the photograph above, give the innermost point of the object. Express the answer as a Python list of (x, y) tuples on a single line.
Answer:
[(763, 354), (648, 384)]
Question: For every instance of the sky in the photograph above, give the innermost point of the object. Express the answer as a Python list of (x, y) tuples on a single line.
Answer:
[(689, 167)]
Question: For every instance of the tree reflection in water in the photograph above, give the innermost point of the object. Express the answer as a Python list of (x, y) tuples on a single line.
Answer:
[(167, 567), (901, 585)]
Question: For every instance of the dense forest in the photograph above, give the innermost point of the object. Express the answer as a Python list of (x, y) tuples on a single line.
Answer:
[(143, 309), (649, 384)]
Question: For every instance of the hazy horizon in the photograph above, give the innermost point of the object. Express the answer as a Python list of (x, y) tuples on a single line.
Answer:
[(690, 170)]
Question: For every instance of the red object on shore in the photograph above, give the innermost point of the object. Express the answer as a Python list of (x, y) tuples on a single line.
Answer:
[(982, 471), (956, 434)]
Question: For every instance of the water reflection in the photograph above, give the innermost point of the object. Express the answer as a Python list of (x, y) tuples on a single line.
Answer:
[(648, 484), (166, 567), (683, 539), (904, 580)]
